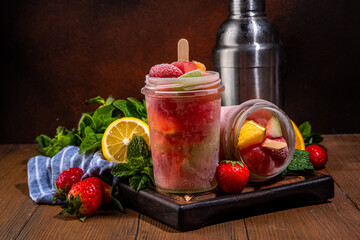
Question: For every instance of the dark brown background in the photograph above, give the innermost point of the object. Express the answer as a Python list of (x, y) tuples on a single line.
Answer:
[(56, 54)]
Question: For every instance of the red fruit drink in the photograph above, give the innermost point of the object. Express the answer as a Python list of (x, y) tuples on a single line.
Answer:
[(184, 121), (268, 154)]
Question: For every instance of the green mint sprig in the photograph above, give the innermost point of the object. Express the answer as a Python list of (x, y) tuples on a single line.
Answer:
[(139, 168), (300, 163), (309, 137), (91, 126)]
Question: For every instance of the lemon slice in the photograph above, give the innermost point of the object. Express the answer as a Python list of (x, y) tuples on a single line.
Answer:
[(250, 133), (117, 137)]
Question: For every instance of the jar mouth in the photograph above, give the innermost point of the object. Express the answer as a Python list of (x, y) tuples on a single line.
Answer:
[(205, 85), (287, 129)]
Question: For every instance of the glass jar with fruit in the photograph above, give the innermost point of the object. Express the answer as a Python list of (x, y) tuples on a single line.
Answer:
[(259, 134), (183, 103)]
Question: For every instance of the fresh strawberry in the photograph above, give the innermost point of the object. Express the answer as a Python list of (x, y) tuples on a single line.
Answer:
[(107, 196), (111, 194), (318, 155), (232, 176), (165, 70), (65, 181), (84, 198)]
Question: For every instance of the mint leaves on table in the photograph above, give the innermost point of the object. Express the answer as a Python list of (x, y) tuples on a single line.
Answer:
[(300, 163), (139, 168), (91, 126)]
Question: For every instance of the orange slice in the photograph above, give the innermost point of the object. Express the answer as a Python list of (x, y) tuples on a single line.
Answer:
[(299, 140), (250, 133)]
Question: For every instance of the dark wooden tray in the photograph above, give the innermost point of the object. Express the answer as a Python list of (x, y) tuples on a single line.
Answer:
[(185, 212)]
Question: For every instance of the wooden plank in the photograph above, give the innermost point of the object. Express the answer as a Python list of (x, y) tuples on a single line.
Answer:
[(335, 219), (352, 143), (227, 229), (5, 149), (16, 207), (344, 164), (106, 224)]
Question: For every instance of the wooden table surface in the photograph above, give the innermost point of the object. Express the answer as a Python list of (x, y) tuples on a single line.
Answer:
[(338, 218)]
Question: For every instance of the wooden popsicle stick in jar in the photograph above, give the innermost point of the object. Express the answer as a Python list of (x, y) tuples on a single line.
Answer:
[(183, 50)]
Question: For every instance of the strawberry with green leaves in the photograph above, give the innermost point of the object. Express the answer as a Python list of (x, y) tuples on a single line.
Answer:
[(65, 181), (84, 198), (232, 176)]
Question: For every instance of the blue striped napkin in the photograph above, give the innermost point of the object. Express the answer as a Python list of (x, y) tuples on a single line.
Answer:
[(43, 171)]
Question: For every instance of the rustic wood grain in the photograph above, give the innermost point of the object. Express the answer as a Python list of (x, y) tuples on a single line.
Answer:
[(338, 218), (232, 229), (344, 164), (106, 224), (16, 208)]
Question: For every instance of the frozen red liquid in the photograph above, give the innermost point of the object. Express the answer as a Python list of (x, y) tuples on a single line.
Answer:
[(184, 135)]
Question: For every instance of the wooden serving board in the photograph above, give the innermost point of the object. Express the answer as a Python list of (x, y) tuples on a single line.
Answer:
[(185, 212)]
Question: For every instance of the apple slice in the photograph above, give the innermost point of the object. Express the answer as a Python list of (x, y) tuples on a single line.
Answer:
[(273, 128), (273, 144)]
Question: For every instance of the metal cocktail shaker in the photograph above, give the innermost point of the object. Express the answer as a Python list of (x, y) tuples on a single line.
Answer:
[(249, 54)]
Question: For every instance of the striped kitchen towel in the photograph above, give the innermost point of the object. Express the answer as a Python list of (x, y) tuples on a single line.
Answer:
[(43, 171)]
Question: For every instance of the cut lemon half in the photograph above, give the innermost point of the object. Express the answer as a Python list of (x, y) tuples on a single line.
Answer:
[(117, 137), (299, 140), (250, 133)]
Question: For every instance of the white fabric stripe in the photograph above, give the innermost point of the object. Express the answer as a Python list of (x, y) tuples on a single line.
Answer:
[(83, 162), (62, 160), (72, 160), (38, 177)]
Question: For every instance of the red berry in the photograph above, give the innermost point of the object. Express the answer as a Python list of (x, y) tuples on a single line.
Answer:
[(318, 155), (232, 176), (185, 66), (66, 180), (84, 198), (165, 70), (107, 197)]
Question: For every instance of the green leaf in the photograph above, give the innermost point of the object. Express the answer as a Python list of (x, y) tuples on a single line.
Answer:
[(86, 120), (122, 170), (149, 172), (305, 129), (300, 163), (137, 148), (140, 107), (139, 182), (95, 100), (43, 140), (104, 112), (90, 143), (127, 108), (109, 100), (313, 138)]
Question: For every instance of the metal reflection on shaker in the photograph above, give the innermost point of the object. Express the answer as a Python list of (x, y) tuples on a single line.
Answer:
[(249, 55)]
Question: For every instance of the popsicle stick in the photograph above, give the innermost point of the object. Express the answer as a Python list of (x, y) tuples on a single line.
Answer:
[(183, 50)]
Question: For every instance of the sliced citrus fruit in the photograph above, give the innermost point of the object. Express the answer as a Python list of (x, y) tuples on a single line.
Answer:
[(250, 133), (201, 66), (299, 140), (117, 137), (195, 73)]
